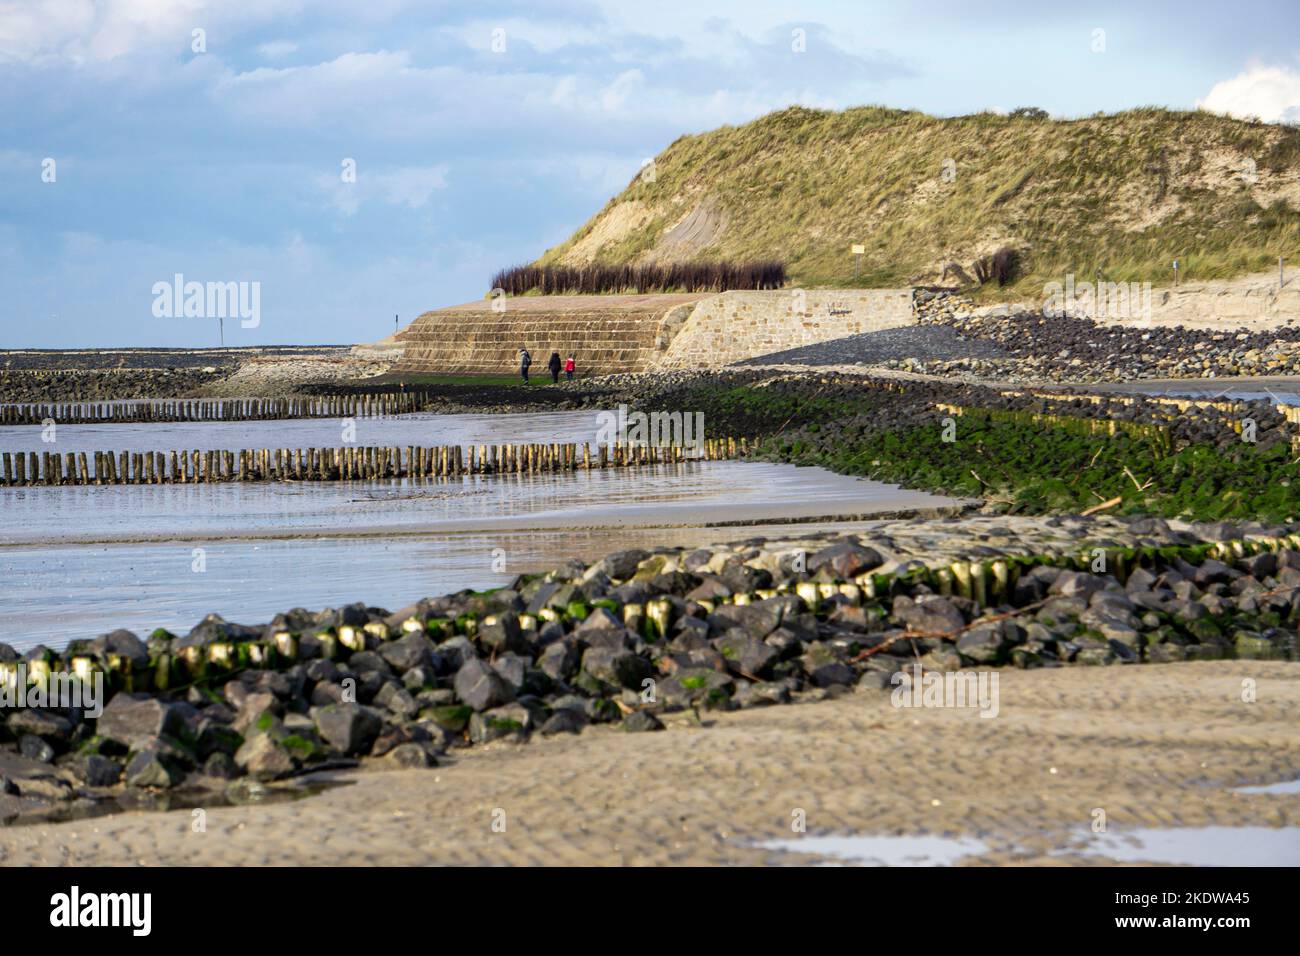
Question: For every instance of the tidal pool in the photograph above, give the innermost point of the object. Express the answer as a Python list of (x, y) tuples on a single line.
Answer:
[(1281, 787), (864, 850), (1196, 846)]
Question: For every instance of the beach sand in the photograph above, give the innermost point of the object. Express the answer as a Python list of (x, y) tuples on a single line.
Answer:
[(1151, 745)]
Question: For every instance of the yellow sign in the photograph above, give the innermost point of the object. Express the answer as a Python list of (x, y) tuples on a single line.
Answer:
[(859, 250)]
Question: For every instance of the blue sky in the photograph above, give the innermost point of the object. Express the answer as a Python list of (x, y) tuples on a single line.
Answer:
[(225, 164)]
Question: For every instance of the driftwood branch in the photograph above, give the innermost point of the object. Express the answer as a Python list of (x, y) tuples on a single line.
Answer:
[(1142, 487), (1103, 506), (945, 635)]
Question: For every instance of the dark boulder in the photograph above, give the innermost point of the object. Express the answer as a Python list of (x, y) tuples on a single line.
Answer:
[(560, 660), (405, 653), (132, 717), (480, 686), (122, 643), (929, 614), (501, 632), (616, 666), (156, 764), (348, 728), (640, 721), (844, 560), (264, 758), (564, 721), (214, 627)]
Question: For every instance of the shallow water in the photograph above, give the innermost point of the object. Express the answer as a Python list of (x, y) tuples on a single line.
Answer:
[(1198, 846), (685, 494), (1284, 391), (862, 850), (424, 429), (77, 562), (242, 792), (1282, 787)]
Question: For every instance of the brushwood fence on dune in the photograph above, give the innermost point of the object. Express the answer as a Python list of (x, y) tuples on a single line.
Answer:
[(344, 464), (215, 410), (670, 277)]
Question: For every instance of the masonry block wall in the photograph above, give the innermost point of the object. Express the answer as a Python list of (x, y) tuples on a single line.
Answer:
[(735, 326), (640, 333)]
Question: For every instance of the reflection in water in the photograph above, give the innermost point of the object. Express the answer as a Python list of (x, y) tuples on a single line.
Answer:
[(1284, 786), (1197, 846), (424, 429), (241, 792), (687, 494), (78, 562), (919, 850)]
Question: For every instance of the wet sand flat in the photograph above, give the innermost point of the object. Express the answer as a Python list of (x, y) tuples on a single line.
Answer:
[(82, 561), (55, 594), (686, 495), (1151, 745)]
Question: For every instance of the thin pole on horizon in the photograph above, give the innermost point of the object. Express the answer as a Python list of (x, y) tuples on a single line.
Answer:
[(221, 326)]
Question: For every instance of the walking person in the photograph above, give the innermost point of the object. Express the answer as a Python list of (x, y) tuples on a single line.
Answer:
[(525, 360), (554, 366), (568, 368)]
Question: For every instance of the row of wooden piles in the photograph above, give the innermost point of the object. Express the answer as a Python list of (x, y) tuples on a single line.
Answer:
[(343, 464), (213, 410)]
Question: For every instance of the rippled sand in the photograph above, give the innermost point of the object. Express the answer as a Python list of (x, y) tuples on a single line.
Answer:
[(1151, 745)]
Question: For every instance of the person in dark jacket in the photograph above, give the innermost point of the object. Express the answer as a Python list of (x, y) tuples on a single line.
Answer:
[(554, 366), (525, 360)]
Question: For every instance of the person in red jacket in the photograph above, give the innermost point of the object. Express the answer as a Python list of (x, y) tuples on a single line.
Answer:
[(568, 368)]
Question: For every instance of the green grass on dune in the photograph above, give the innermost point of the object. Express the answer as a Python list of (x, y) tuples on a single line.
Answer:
[(1123, 193)]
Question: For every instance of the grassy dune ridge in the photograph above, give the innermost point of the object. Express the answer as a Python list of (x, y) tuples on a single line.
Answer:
[(1123, 193)]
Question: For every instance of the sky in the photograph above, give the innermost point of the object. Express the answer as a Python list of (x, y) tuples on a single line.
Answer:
[(343, 163)]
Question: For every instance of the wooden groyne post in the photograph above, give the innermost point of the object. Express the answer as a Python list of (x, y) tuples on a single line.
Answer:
[(349, 463)]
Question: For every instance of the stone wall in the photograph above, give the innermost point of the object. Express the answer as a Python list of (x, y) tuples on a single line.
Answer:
[(735, 326), (1256, 302), (1227, 305), (637, 333), (616, 333)]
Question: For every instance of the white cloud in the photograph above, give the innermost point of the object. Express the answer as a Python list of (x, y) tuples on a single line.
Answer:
[(411, 186), (537, 34), (29, 30), (614, 96), (1271, 93), (277, 48), (81, 31)]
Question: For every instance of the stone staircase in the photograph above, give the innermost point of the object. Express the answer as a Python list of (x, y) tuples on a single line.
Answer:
[(604, 334)]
